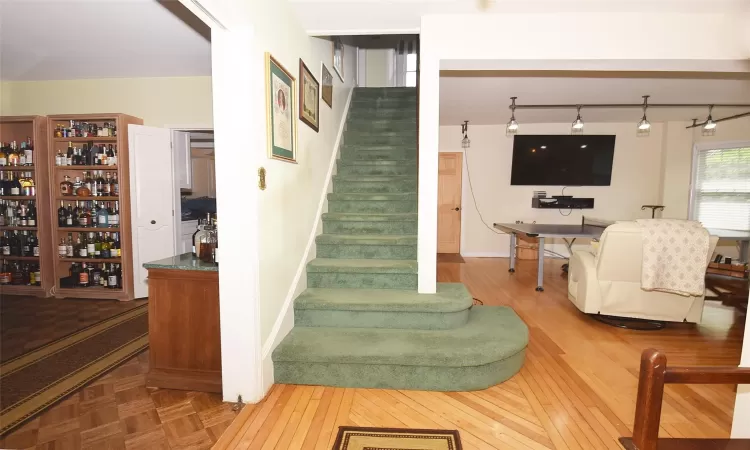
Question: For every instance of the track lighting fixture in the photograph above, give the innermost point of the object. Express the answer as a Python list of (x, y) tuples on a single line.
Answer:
[(511, 128), (577, 126), (465, 142), (709, 128), (644, 126)]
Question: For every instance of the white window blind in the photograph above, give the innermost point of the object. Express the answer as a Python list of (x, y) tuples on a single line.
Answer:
[(721, 188)]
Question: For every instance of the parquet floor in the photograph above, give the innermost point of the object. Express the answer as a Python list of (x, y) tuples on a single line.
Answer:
[(576, 390), (117, 411)]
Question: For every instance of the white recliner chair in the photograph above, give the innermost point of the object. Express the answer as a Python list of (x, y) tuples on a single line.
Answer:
[(607, 281)]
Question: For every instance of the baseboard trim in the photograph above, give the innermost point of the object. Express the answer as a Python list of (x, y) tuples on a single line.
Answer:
[(276, 332), (484, 254)]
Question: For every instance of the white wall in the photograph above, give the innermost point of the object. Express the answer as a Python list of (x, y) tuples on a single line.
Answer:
[(636, 174), (604, 36), (378, 67)]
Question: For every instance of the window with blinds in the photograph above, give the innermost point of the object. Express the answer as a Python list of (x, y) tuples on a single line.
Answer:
[(721, 188)]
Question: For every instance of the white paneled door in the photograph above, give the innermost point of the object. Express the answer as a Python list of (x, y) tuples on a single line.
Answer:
[(151, 199)]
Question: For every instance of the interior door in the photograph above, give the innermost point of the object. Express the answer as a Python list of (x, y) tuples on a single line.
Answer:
[(151, 199), (449, 202)]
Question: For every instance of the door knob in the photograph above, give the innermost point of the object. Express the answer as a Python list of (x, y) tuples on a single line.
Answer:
[(457, 209), (153, 222)]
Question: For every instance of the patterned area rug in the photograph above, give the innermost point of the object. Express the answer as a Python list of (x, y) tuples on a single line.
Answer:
[(358, 438), (36, 380)]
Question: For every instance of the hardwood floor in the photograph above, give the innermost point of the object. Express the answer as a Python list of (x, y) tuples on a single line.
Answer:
[(576, 390)]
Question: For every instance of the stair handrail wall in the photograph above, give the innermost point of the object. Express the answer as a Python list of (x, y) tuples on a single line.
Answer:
[(654, 374)]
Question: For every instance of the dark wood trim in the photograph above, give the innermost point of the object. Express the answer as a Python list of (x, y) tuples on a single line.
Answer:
[(185, 380)]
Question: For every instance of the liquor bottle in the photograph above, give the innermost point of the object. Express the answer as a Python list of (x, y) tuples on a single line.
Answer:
[(15, 244), (62, 216), (116, 251), (23, 219), (112, 280), (59, 158), (3, 183), (16, 274), (2, 214), (13, 157), (106, 186), (96, 276), (15, 186), (83, 276), (99, 182), (197, 230), (66, 187), (62, 249), (69, 249), (114, 187), (91, 246), (84, 217), (22, 154), (104, 277), (29, 152), (93, 208), (5, 244), (28, 188), (38, 275), (25, 244), (102, 217), (82, 250), (69, 155), (106, 247), (97, 245), (114, 216), (32, 215), (3, 155), (33, 243), (4, 273), (81, 188)]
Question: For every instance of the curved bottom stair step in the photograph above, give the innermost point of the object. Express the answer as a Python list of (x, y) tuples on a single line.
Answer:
[(489, 349), (378, 308)]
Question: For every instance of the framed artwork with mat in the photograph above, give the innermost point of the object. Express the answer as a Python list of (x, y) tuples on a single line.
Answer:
[(309, 97), (327, 80), (281, 88), (338, 57)]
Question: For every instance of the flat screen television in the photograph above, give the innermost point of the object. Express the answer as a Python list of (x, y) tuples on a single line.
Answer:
[(562, 160)]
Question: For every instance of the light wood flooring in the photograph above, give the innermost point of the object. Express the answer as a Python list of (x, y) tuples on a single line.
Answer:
[(576, 390)]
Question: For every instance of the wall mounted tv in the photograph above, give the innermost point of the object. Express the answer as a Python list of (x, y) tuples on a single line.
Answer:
[(562, 160)]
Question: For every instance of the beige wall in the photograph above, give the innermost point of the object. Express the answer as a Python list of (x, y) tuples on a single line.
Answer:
[(158, 101), (635, 181)]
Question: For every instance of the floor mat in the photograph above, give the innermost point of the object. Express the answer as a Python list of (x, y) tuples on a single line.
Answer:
[(359, 438), (32, 382)]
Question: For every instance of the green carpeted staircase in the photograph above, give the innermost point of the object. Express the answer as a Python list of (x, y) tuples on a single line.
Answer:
[(361, 322)]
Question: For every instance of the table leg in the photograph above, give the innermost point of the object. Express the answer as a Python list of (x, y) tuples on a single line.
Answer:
[(744, 245), (512, 253), (540, 267)]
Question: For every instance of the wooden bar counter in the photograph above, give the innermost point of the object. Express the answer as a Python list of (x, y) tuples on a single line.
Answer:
[(183, 324)]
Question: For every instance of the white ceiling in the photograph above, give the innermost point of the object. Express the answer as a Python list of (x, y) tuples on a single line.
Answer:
[(485, 100), (69, 39), (347, 17)]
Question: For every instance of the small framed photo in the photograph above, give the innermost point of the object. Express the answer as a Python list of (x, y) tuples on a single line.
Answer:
[(280, 105), (309, 97), (338, 57), (327, 90)]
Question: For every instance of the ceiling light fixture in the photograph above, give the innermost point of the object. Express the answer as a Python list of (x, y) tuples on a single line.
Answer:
[(511, 129), (577, 126), (465, 142), (709, 128), (644, 126)]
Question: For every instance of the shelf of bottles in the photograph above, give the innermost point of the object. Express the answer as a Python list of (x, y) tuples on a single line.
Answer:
[(20, 250), (92, 238)]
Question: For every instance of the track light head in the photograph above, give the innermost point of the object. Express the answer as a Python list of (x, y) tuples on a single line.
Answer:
[(709, 128), (465, 142), (577, 125), (511, 128)]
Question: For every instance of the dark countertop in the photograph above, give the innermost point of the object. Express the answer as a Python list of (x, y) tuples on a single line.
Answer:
[(186, 261)]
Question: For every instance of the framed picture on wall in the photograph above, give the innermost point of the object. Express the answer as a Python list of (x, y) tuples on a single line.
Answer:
[(309, 97), (338, 57), (280, 105), (327, 80)]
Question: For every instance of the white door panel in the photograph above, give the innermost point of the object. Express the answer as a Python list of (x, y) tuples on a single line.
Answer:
[(151, 198)]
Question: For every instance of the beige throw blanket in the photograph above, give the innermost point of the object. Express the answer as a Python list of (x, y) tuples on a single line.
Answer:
[(675, 256)]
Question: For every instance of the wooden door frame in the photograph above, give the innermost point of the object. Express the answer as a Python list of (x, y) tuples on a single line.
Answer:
[(461, 197)]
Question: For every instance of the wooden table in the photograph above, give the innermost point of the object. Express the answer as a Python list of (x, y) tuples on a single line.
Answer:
[(183, 324)]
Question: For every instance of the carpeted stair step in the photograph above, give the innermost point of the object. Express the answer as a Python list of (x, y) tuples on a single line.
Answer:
[(384, 167), (366, 246), (396, 113), (373, 93), (374, 308), (372, 203), (384, 125), (352, 223), (381, 155), (358, 147), (362, 273), (375, 183), (369, 137), (489, 349)]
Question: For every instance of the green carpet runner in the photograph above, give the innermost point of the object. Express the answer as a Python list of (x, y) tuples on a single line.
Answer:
[(361, 322)]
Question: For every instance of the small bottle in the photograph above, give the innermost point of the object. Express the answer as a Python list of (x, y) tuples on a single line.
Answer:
[(66, 187), (83, 277), (91, 246), (62, 249), (69, 246), (83, 189)]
